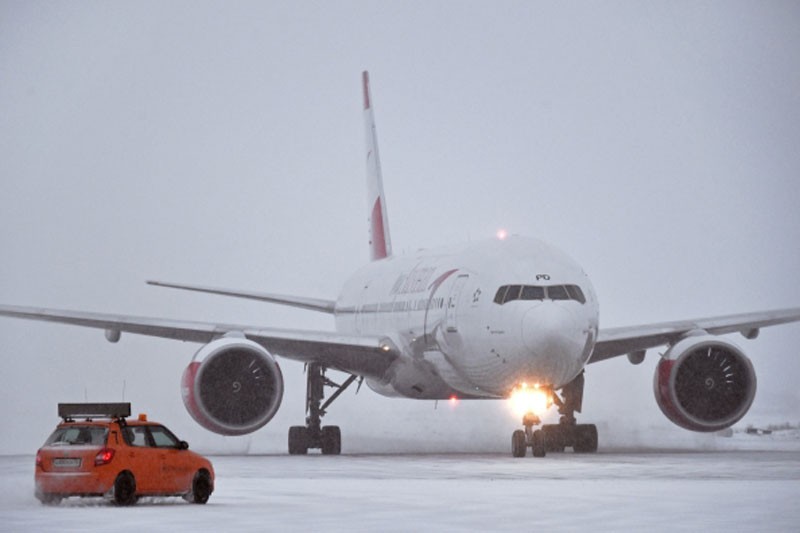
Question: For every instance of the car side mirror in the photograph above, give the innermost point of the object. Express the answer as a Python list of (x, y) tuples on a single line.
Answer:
[(183, 445)]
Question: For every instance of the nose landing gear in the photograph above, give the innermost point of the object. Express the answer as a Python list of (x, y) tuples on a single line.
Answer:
[(521, 440), (582, 438)]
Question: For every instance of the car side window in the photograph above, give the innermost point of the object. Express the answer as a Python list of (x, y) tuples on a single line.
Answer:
[(163, 437), (136, 435)]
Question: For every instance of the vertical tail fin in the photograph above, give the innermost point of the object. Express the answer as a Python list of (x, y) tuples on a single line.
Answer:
[(380, 244)]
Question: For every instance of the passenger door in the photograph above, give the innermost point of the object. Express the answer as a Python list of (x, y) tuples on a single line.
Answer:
[(451, 316)]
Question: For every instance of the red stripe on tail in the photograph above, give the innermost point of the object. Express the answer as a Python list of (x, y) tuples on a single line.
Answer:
[(365, 79), (378, 237)]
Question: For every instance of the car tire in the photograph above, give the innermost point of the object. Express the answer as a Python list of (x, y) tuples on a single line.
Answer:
[(48, 498), (201, 488), (125, 489)]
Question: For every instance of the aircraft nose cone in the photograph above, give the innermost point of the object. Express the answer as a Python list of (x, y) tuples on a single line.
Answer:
[(554, 335)]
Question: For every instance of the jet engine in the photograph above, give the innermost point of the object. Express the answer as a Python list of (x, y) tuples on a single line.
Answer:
[(233, 386), (704, 383)]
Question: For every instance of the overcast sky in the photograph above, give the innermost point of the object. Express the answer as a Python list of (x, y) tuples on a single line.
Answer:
[(222, 144)]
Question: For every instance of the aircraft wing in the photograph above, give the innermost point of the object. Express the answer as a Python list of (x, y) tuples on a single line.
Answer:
[(311, 304), (620, 341), (363, 356)]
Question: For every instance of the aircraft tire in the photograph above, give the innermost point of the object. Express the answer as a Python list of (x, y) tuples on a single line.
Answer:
[(585, 438), (539, 443), (518, 445), (554, 438), (331, 440), (298, 440)]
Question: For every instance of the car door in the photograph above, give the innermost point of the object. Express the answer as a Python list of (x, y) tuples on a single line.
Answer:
[(142, 459), (175, 462)]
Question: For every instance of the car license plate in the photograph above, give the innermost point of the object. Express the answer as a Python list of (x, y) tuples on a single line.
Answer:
[(67, 462)]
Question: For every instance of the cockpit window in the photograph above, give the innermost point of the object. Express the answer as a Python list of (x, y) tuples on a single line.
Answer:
[(557, 292), (532, 292), (500, 297), (575, 293), (509, 293), (513, 292)]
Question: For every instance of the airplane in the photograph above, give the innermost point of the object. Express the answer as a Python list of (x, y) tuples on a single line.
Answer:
[(504, 318)]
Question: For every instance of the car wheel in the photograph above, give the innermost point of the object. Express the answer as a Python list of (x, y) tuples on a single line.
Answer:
[(125, 489), (201, 487), (48, 498)]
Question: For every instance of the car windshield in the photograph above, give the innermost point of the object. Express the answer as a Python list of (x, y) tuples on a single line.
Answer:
[(78, 435)]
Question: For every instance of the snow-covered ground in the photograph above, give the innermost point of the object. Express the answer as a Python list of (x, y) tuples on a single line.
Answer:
[(748, 483)]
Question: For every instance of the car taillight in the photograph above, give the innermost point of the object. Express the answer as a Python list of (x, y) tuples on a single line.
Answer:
[(39, 459), (104, 456)]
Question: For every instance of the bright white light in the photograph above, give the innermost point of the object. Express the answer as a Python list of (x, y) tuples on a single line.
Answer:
[(525, 399), (502, 234)]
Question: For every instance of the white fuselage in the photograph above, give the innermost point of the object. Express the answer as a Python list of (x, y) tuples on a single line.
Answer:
[(447, 312)]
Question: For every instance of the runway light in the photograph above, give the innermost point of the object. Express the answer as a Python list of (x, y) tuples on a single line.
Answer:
[(530, 399)]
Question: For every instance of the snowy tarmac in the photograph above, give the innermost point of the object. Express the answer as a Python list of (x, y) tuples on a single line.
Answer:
[(657, 490)]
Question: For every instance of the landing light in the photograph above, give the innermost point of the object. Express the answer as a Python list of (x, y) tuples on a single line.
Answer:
[(502, 234), (453, 400), (530, 399)]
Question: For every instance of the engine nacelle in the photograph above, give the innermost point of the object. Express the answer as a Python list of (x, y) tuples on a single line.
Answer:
[(233, 386), (704, 383)]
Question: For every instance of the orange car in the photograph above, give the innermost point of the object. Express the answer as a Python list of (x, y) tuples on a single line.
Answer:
[(95, 451)]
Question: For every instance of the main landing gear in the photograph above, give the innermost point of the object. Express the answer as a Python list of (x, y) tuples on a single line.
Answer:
[(582, 438), (313, 435)]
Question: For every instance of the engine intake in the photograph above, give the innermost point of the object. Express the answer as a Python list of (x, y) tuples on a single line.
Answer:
[(704, 384), (233, 386)]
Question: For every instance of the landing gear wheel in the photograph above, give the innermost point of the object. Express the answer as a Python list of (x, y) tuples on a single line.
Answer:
[(539, 443), (125, 489), (585, 438), (554, 438), (519, 446), (298, 440), (331, 440), (313, 436)]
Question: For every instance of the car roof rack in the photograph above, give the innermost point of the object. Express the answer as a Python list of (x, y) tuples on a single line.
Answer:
[(70, 411)]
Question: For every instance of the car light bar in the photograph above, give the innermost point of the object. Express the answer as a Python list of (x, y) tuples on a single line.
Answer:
[(90, 410)]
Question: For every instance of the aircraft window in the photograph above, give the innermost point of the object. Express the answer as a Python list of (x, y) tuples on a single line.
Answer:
[(513, 293), (532, 292), (557, 292), (575, 293), (501, 294)]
